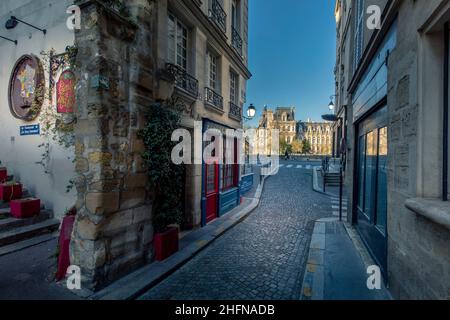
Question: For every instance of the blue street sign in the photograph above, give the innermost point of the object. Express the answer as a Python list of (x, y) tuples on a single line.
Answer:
[(30, 130)]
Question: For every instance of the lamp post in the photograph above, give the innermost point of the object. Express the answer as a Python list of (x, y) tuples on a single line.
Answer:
[(251, 113)]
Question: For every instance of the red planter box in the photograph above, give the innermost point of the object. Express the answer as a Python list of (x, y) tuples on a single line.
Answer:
[(166, 244), (3, 174), (10, 192), (64, 244), (25, 208)]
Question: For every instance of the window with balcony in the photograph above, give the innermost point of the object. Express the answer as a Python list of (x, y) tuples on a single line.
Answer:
[(218, 15), (212, 94), (178, 39), (235, 110), (236, 39)]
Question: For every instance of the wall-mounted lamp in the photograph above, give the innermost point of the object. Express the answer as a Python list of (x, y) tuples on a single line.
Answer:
[(251, 113), (10, 40), (13, 22)]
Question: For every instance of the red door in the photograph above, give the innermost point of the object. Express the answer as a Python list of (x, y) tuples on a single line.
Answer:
[(212, 192)]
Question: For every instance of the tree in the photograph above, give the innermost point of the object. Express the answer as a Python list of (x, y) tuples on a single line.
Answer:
[(284, 146), (297, 146), (306, 148)]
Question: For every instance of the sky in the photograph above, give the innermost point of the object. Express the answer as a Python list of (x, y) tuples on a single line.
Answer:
[(292, 53)]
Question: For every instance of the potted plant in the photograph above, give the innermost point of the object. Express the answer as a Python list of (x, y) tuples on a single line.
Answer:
[(165, 177)]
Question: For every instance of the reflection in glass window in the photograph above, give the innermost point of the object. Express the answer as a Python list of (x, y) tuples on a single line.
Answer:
[(382, 180)]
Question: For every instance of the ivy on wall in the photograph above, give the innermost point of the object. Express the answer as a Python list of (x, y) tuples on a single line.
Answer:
[(55, 128), (166, 177)]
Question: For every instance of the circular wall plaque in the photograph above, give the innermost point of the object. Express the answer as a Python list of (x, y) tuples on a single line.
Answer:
[(26, 88)]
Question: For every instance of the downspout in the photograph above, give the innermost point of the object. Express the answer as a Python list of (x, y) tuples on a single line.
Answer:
[(445, 126)]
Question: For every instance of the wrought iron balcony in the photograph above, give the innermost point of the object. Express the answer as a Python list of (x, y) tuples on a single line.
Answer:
[(235, 112), (218, 15), (213, 98), (236, 41), (183, 80)]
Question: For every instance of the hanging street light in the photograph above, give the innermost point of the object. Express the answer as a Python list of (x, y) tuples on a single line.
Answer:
[(13, 22)]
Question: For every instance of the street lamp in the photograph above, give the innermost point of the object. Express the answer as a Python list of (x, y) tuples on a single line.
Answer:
[(251, 112), (331, 106)]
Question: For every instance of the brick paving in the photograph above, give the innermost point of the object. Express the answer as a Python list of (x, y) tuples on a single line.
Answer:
[(264, 257)]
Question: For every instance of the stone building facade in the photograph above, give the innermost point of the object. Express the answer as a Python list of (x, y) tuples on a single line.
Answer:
[(392, 92), (318, 134), (282, 120), (130, 54)]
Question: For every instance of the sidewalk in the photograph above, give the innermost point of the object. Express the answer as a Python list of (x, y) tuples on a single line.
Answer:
[(137, 283), (337, 265)]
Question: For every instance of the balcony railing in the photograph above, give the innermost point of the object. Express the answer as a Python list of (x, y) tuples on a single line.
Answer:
[(235, 111), (183, 80), (218, 15), (213, 98), (236, 41)]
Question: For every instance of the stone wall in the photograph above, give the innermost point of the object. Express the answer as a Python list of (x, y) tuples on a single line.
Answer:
[(113, 232), (418, 249)]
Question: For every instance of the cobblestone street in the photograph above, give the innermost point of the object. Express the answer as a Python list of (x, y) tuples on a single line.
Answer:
[(264, 257)]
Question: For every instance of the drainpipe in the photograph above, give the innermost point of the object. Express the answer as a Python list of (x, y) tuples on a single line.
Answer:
[(446, 97)]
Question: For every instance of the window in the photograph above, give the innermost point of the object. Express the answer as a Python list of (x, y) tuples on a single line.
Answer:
[(234, 88), (229, 170), (359, 33), (177, 42), (213, 71), (235, 17)]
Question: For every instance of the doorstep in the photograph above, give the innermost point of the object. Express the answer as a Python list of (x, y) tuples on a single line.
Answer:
[(192, 243), (337, 265)]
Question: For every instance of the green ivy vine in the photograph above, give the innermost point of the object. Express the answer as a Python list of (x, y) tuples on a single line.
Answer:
[(166, 177), (56, 128)]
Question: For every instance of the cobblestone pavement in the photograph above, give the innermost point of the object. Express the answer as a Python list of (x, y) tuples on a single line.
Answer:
[(262, 258)]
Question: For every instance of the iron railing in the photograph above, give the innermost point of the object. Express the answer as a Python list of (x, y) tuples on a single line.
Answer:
[(218, 15), (235, 111), (183, 80), (236, 40), (213, 98)]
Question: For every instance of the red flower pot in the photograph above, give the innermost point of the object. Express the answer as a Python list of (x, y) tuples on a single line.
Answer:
[(3, 175), (25, 208), (165, 244), (64, 244), (10, 192)]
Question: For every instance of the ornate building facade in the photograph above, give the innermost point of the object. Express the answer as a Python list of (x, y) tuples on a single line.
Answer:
[(283, 120), (318, 134)]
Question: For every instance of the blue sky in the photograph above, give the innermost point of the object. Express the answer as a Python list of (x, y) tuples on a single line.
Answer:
[(292, 55)]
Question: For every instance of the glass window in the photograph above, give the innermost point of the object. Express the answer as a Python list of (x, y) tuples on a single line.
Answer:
[(177, 42), (382, 180), (361, 170), (213, 71), (234, 88), (370, 177), (229, 170)]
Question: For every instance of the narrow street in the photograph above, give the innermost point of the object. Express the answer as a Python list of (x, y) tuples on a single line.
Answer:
[(263, 257)]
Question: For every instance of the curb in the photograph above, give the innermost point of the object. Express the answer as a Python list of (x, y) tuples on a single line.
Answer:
[(134, 285), (315, 186)]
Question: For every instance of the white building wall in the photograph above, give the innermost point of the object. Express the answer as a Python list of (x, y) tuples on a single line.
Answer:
[(20, 154)]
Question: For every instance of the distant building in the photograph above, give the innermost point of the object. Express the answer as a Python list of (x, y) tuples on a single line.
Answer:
[(319, 135), (283, 119)]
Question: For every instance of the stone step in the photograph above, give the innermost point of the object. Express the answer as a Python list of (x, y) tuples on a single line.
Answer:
[(9, 223), (27, 232), (11, 248)]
